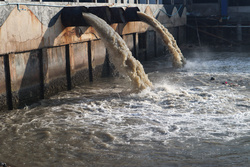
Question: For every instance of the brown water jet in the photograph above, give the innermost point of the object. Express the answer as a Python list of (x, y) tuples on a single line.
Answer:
[(178, 58), (119, 54)]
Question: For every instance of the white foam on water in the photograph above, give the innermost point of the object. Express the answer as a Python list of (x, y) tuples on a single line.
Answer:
[(185, 115)]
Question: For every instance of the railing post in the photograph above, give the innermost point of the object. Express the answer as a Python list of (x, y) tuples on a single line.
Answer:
[(8, 82), (41, 68), (90, 62), (68, 68)]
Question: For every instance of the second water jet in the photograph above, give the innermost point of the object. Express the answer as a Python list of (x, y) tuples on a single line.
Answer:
[(178, 58)]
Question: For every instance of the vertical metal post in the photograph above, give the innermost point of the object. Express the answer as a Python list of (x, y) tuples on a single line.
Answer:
[(155, 44), (90, 62), (41, 74), (8, 82), (68, 71)]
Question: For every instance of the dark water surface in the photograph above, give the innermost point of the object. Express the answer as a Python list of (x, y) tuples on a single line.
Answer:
[(186, 119)]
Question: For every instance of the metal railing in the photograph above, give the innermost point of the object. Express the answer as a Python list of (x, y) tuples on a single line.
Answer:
[(169, 2)]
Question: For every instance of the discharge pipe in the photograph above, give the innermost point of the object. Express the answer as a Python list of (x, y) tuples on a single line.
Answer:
[(72, 16)]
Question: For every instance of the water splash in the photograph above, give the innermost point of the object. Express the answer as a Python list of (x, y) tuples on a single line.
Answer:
[(120, 55), (178, 58), (180, 121)]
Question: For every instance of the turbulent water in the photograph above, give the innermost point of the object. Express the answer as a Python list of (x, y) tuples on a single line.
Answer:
[(119, 54), (178, 58), (195, 116)]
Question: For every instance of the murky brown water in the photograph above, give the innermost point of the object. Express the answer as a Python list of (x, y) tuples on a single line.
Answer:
[(186, 119)]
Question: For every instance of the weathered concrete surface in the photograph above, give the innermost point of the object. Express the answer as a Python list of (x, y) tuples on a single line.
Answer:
[(54, 70), (21, 31), (4, 13), (3, 100), (79, 63), (25, 77), (33, 27), (98, 56)]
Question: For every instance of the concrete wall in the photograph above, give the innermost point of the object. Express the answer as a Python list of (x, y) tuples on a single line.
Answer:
[(24, 77), (98, 56), (79, 63), (54, 70), (3, 90), (39, 57)]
